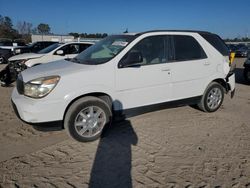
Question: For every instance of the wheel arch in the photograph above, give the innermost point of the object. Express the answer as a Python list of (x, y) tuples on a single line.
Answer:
[(104, 96), (223, 83)]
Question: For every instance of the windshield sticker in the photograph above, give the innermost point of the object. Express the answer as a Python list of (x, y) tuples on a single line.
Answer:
[(119, 43)]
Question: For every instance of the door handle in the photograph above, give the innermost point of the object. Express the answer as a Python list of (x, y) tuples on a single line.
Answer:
[(206, 63)]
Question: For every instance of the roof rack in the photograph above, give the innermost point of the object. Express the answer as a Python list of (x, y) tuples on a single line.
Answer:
[(191, 31)]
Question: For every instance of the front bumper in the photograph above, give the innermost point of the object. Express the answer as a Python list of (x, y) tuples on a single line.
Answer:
[(35, 111), (16, 67)]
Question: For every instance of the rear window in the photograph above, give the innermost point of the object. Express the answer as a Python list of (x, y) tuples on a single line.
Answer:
[(187, 48), (217, 43)]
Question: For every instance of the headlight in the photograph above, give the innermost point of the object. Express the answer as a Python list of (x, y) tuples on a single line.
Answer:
[(40, 87)]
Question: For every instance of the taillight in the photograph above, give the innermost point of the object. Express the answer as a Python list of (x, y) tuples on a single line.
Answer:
[(231, 58)]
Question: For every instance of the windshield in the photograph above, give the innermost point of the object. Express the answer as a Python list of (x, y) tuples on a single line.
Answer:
[(104, 50), (49, 48)]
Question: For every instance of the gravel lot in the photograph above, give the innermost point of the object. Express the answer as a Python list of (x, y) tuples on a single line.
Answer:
[(178, 147)]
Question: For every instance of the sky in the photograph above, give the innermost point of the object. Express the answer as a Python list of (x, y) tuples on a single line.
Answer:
[(227, 18)]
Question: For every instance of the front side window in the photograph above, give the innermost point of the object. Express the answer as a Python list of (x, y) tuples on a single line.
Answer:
[(71, 49), (49, 48), (186, 48), (151, 49), (104, 50)]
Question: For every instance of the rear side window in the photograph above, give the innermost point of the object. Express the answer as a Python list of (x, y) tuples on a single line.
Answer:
[(186, 48), (217, 43)]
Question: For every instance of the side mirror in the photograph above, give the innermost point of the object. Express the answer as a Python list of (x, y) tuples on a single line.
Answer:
[(132, 59), (59, 52)]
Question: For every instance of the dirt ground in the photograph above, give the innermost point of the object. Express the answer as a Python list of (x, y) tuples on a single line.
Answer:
[(178, 147)]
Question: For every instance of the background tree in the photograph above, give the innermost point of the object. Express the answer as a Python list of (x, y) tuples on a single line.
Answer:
[(6, 21), (90, 35), (75, 35), (24, 27), (6, 28), (43, 28)]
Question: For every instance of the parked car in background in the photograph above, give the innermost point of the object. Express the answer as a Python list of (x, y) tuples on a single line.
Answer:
[(6, 51), (232, 47), (33, 47), (7, 48), (247, 70), (5, 54), (9, 44), (241, 51), (54, 52), (123, 75)]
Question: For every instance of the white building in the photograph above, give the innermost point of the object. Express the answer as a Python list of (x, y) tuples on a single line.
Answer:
[(56, 38)]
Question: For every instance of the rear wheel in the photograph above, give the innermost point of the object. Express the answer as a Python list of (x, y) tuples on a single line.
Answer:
[(86, 118), (247, 74), (212, 98)]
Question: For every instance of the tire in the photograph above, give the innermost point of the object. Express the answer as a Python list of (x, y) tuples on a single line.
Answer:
[(2, 60), (212, 98), (86, 118), (247, 74)]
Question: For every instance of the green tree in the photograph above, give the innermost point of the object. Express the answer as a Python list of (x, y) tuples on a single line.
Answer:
[(6, 30), (43, 28), (6, 21), (75, 35)]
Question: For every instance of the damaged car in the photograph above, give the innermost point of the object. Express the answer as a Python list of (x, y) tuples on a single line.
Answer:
[(57, 51)]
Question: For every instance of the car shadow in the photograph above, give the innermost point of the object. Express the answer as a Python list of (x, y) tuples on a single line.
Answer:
[(112, 163), (47, 127)]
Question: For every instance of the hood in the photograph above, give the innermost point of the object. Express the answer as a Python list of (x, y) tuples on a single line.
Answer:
[(60, 68), (25, 56)]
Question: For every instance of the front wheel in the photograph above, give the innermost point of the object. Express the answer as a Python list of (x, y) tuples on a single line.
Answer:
[(212, 98), (247, 74), (2, 60), (86, 118)]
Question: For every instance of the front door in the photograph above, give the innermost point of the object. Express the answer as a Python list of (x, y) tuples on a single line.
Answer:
[(148, 81)]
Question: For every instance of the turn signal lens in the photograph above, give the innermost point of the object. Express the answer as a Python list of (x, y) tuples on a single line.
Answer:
[(231, 58)]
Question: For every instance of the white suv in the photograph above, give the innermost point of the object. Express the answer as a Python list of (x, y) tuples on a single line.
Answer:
[(123, 75)]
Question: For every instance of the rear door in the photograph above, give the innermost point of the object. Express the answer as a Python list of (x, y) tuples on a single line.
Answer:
[(189, 67)]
